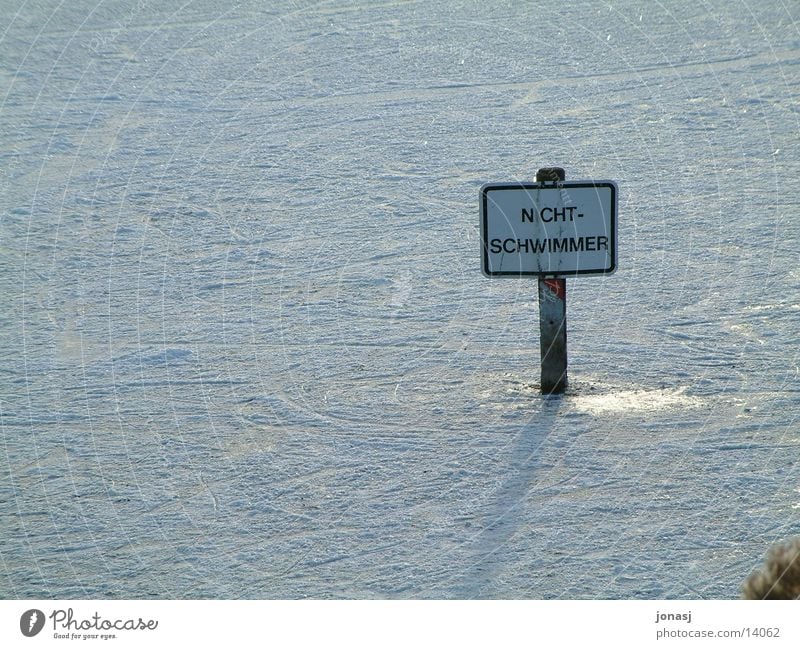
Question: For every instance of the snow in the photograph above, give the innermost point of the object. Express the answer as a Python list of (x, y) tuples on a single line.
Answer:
[(247, 349)]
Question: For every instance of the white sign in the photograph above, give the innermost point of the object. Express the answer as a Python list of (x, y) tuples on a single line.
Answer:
[(554, 228)]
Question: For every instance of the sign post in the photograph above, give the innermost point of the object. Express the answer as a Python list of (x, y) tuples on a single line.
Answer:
[(549, 229)]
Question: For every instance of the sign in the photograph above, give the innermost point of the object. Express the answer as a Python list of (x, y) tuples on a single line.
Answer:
[(552, 228)]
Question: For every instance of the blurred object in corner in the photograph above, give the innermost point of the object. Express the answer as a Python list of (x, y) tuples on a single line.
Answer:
[(779, 577)]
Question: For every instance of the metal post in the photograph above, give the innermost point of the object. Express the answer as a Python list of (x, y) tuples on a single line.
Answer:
[(553, 315)]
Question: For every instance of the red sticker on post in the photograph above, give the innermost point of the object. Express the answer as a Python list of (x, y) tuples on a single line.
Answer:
[(558, 287)]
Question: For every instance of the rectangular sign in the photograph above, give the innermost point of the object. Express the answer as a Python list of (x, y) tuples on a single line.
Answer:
[(561, 228)]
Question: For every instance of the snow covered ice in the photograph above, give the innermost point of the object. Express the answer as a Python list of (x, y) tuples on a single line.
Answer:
[(246, 349)]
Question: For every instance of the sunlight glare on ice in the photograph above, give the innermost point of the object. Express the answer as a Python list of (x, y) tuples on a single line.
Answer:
[(635, 400)]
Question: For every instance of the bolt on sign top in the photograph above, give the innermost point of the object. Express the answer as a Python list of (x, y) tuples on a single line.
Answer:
[(549, 228)]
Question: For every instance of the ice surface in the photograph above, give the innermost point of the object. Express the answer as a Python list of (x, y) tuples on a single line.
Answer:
[(247, 350)]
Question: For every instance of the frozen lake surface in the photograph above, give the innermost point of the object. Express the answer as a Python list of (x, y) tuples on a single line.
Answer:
[(246, 349)]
